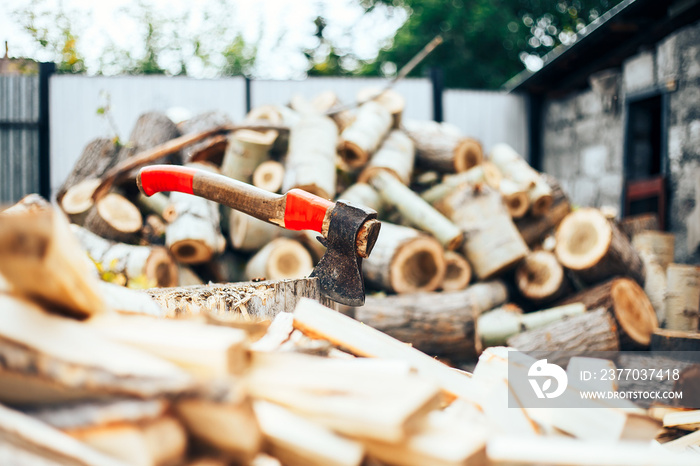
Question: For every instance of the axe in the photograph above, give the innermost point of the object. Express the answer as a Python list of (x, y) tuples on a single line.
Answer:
[(348, 231)]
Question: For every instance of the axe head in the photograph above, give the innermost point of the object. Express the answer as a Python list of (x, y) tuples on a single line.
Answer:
[(340, 269)]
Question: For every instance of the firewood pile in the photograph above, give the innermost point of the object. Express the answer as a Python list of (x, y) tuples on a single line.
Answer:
[(228, 355)]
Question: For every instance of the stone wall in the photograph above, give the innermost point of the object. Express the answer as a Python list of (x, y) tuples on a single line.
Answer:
[(583, 143)]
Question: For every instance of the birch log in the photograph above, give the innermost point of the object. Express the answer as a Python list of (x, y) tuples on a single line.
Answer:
[(442, 147), (458, 272), (416, 211), (41, 259), (540, 278), (593, 248), (493, 244), (363, 194), (625, 300), (364, 136), (246, 150), (269, 175), (193, 234), (675, 340), (249, 233), (282, 258), (592, 331), (515, 197), (534, 229), (635, 224), (389, 99), (493, 328), (310, 162), (682, 297), (404, 261), (656, 249), (135, 266), (485, 173), (395, 156), (437, 323)]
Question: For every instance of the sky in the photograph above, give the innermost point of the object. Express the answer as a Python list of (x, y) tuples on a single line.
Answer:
[(283, 28)]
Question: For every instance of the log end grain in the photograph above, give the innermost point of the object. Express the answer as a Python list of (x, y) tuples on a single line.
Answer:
[(161, 267), (468, 154), (540, 277), (353, 155), (78, 198), (583, 239), (418, 265), (269, 175), (633, 311), (458, 272)]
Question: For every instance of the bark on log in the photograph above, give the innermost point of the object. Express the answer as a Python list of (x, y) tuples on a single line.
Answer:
[(269, 175), (98, 156), (42, 260), (363, 137), (625, 300), (246, 150), (363, 194), (675, 340), (535, 229), (276, 115), (395, 156), (656, 250), (484, 173), (211, 149), (592, 331), (77, 201), (682, 297), (442, 147), (515, 197), (437, 323), (404, 261), (249, 233), (595, 249), (416, 211), (458, 272), (540, 278), (389, 99), (136, 266), (493, 328), (282, 258), (114, 217), (635, 224), (258, 301), (310, 163), (493, 244), (193, 234), (153, 129)]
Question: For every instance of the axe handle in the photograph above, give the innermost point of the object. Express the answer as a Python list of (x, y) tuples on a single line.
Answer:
[(296, 210)]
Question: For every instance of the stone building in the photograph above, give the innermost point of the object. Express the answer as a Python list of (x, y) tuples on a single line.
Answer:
[(616, 115)]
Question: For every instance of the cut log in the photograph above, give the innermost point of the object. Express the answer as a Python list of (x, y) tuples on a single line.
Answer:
[(356, 397), (686, 420), (493, 244), (276, 115), (75, 416), (318, 321), (228, 426), (458, 272), (595, 249), (437, 323), (625, 300), (495, 327), (388, 98), (404, 261), (77, 201), (282, 258), (153, 231), (211, 149), (442, 147), (310, 163), (416, 211), (540, 278), (636, 224), (535, 229), (38, 344), (269, 175), (395, 156), (363, 137), (656, 250), (116, 218), (485, 173), (246, 150), (249, 233), (193, 234), (24, 440), (153, 129), (515, 197), (156, 203), (682, 304), (203, 350), (135, 266), (363, 194), (299, 442), (258, 301), (41, 259), (592, 331), (675, 340), (657, 244), (98, 156)]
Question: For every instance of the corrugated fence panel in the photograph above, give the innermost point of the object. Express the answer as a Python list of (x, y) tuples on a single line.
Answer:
[(417, 92), (19, 137), (75, 99), (489, 116)]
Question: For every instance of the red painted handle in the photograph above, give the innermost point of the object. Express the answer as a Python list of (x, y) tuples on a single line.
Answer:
[(157, 178), (305, 211)]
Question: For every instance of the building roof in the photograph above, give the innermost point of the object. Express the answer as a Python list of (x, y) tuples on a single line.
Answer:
[(605, 43)]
